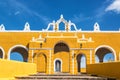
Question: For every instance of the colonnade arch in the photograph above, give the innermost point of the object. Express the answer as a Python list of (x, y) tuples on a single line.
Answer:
[(103, 50), (20, 49), (81, 61), (2, 53)]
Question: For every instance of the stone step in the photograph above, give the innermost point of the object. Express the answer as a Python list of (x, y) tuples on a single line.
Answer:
[(62, 76), (59, 74)]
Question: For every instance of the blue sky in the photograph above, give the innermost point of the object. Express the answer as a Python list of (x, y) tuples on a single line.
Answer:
[(84, 13)]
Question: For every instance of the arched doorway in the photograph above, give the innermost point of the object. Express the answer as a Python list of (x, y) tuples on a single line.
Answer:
[(41, 63), (102, 54), (57, 66), (61, 51), (81, 62), (19, 51)]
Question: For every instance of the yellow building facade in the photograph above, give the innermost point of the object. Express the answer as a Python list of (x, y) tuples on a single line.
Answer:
[(60, 51)]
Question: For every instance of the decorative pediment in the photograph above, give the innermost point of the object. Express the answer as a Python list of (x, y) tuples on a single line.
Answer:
[(39, 39), (56, 27), (83, 39)]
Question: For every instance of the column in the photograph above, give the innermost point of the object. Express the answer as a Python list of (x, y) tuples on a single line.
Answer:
[(32, 56), (72, 61), (119, 56), (90, 56), (50, 61)]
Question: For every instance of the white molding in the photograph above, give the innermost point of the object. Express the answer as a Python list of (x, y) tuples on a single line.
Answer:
[(108, 47), (3, 52), (60, 61), (61, 37), (32, 56), (90, 56), (87, 31), (119, 56), (81, 48), (50, 62), (73, 61), (15, 47), (40, 48)]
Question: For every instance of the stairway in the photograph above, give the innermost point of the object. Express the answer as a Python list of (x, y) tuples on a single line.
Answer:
[(60, 76)]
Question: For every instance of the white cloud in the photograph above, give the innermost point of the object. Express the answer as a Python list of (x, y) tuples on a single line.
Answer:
[(115, 6), (24, 9), (17, 12)]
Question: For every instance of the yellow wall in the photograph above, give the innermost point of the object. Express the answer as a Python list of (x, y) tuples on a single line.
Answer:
[(10, 39), (111, 69), (11, 68)]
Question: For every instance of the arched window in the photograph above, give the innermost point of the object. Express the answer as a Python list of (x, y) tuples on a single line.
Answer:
[(61, 47)]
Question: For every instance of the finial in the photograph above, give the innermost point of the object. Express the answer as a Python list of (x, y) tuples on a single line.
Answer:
[(33, 38), (53, 21), (61, 16), (96, 27), (27, 27), (83, 36), (2, 27), (69, 21), (40, 36)]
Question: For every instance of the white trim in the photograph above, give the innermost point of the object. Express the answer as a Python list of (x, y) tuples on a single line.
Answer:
[(3, 52), (87, 31), (119, 56), (50, 62), (15, 47), (32, 56), (81, 48), (62, 37), (73, 61), (60, 61), (106, 46), (90, 56), (40, 48)]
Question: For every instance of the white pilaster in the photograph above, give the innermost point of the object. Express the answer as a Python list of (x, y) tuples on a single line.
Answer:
[(32, 56), (73, 61), (119, 56), (50, 62), (90, 56)]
